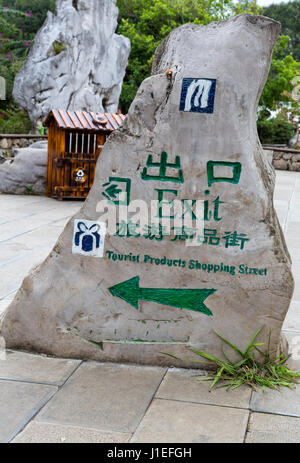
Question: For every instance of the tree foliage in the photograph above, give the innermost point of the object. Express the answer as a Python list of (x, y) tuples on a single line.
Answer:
[(147, 22), (276, 130), (288, 14), (19, 22), (279, 84)]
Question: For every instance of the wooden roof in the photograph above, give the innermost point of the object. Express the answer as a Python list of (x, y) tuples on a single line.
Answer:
[(82, 120)]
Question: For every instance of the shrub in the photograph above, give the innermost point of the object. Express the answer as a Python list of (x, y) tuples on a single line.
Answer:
[(15, 121), (276, 130)]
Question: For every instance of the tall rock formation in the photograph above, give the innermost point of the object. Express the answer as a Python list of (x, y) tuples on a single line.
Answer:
[(77, 61)]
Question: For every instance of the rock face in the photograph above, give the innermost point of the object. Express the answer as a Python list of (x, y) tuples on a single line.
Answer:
[(26, 172), (77, 61), (190, 135)]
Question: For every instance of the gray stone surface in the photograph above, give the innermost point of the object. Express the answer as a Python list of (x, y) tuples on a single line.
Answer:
[(76, 62), (49, 433), (19, 402), (186, 386), (191, 423), (101, 396), (20, 366), (237, 54), (273, 429), (26, 172), (285, 401)]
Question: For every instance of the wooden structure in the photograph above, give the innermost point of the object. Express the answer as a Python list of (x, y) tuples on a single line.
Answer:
[(75, 141)]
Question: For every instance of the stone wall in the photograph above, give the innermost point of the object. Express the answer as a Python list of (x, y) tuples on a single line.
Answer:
[(287, 160), (9, 142)]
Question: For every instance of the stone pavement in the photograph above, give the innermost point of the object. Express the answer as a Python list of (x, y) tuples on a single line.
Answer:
[(45, 399)]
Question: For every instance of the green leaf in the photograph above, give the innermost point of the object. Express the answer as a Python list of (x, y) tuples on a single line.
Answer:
[(217, 377), (252, 340), (229, 344)]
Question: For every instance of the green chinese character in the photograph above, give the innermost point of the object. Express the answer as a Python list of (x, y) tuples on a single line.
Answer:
[(127, 229), (161, 202), (117, 191), (155, 231), (235, 239), (209, 237), (163, 165), (183, 233), (236, 172)]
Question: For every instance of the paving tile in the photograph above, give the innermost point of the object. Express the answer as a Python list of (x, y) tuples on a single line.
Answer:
[(293, 339), (110, 397), (292, 231), (11, 251), (282, 216), (296, 294), (285, 401), (10, 296), (296, 195), (25, 225), (14, 211), (294, 214), (184, 385), (285, 177), (292, 319), (294, 250), (19, 402), (9, 283), (45, 236), (169, 421), (22, 267), (21, 366), (283, 193), (4, 303), (271, 429), (49, 433)]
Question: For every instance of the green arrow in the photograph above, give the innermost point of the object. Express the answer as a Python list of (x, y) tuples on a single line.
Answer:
[(191, 299)]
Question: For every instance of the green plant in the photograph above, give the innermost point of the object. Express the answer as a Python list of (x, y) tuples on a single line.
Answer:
[(276, 130), (15, 121), (271, 373), (58, 47), (29, 189)]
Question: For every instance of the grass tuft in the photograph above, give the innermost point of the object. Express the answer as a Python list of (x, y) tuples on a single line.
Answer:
[(269, 373)]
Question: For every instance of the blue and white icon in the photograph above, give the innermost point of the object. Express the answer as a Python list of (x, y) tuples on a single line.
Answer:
[(88, 238), (198, 95)]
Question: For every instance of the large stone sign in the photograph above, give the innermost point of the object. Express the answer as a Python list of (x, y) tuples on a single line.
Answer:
[(197, 246)]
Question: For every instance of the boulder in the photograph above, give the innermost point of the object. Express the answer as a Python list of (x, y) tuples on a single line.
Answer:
[(26, 172), (77, 61), (190, 144)]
